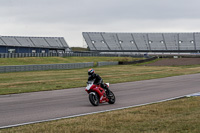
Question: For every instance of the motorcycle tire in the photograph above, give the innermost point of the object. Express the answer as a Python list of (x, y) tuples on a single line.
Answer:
[(93, 97), (111, 98)]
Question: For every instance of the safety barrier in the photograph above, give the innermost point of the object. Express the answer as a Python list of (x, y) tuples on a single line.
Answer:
[(22, 68)]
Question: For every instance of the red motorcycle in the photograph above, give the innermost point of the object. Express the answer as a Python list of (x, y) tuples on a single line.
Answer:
[(99, 95)]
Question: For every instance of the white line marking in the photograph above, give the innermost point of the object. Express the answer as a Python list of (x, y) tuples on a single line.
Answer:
[(193, 95), (72, 116)]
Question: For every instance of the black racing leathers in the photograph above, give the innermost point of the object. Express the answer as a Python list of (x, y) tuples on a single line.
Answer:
[(98, 80)]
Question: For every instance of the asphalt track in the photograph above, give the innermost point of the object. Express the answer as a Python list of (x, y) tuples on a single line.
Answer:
[(39, 106)]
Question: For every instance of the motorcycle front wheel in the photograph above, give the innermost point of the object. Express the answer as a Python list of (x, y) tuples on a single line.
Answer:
[(93, 97), (111, 98)]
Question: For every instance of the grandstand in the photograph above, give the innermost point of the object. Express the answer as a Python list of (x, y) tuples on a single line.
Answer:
[(17, 44), (142, 42)]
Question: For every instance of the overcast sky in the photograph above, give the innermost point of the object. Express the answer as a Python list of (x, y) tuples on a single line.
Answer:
[(69, 18)]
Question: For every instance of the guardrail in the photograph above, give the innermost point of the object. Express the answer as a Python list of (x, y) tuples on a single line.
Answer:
[(22, 68)]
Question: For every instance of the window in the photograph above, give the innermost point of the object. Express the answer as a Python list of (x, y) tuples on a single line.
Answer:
[(132, 41), (93, 41), (162, 41), (180, 41), (33, 51), (120, 41), (102, 41), (192, 41), (43, 51)]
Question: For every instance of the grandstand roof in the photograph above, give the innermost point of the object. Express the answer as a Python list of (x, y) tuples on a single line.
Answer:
[(142, 42), (41, 42)]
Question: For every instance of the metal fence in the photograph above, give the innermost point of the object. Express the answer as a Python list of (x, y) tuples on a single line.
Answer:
[(21, 55), (22, 68)]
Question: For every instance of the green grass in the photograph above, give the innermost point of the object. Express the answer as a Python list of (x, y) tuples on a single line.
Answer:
[(20, 82), (55, 60), (177, 116)]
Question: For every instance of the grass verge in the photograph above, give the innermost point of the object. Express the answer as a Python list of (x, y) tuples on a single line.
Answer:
[(20, 82), (181, 115), (56, 60)]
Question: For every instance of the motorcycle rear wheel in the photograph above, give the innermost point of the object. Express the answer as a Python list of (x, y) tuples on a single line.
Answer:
[(112, 98), (93, 97)]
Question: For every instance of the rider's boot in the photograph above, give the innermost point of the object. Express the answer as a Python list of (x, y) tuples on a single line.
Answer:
[(108, 90)]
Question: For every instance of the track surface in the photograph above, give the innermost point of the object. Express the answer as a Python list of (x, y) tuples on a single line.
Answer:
[(29, 107)]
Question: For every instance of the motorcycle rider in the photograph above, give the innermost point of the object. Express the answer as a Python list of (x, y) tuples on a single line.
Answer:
[(97, 80)]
